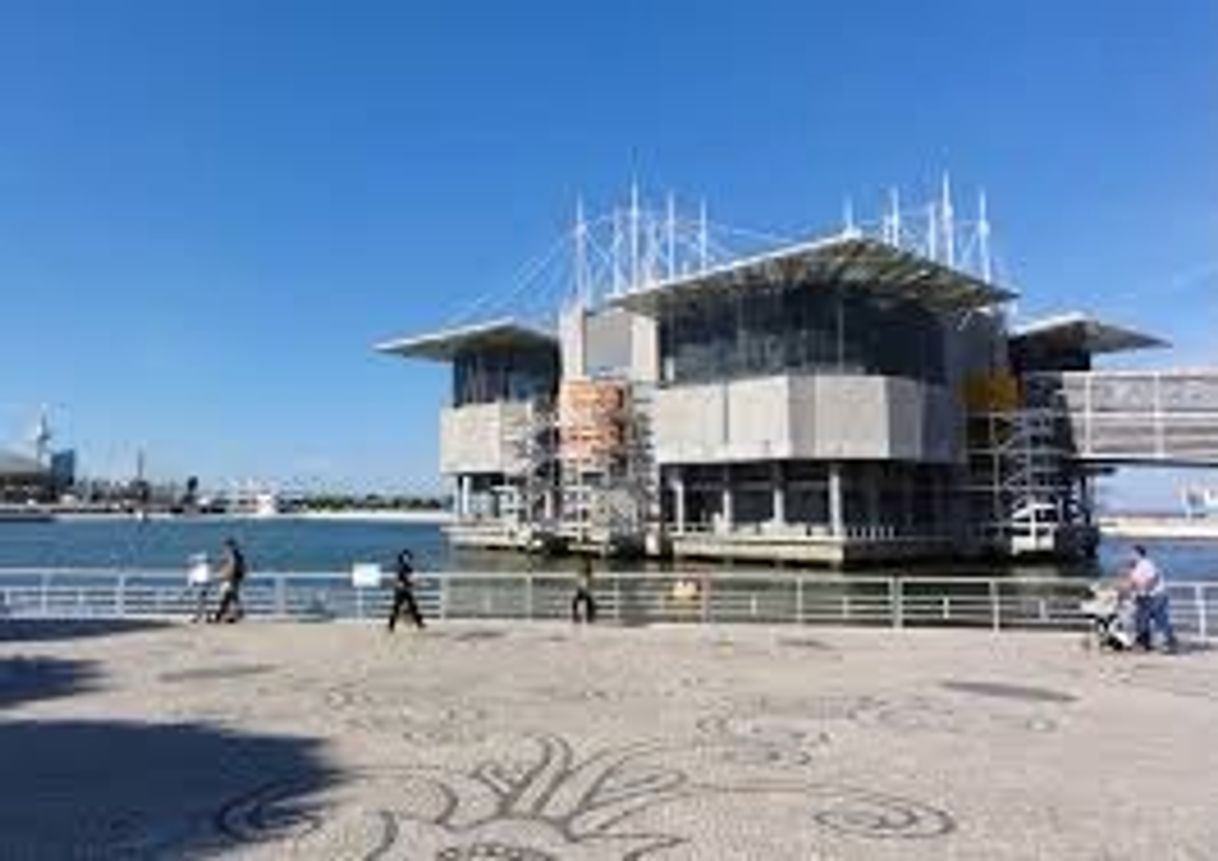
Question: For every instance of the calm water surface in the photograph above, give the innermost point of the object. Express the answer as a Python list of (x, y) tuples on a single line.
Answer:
[(287, 544)]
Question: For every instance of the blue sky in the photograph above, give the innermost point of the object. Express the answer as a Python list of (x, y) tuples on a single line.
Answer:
[(210, 211)]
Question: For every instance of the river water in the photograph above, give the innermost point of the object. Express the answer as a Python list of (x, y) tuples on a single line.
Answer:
[(298, 545)]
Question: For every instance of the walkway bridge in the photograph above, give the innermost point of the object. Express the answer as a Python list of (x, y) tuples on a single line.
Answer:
[(1160, 418)]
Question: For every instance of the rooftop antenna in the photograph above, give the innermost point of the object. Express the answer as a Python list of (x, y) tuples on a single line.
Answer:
[(634, 235), (703, 237), (947, 218), (581, 254), (670, 234), (848, 218), (932, 232), (616, 256), (893, 225), (983, 236)]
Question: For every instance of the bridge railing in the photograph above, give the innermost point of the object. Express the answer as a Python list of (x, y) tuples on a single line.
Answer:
[(625, 598)]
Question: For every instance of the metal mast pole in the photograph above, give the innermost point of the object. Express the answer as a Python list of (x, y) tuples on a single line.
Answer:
[(670, 235), (983, 236), (949, 227), (703, 238), (634, 235), (894, 217), (581, 254), (932, 232)]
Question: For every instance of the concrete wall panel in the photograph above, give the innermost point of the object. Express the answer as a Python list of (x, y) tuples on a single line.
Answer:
[(479, 438)]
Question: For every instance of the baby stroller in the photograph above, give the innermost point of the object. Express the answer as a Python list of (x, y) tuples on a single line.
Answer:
[(1111, 613)]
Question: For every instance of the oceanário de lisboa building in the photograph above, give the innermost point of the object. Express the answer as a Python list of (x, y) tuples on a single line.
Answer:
[(682, 388)]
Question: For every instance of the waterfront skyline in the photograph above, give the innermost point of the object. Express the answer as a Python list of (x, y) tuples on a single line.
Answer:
[(209, 215)]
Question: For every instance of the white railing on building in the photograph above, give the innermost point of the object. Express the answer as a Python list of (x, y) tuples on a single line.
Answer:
[(627, 598)]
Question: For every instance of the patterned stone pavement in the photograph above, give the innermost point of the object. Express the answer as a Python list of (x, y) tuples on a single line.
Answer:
[(541, 741)]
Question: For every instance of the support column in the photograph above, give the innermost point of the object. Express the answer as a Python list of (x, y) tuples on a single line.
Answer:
[(678, 499), (727, 516), (836, 520), (779, 506), (464, 485)]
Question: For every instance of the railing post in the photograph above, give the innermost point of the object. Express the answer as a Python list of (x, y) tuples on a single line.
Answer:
[(528, 596), (444, 597), (46, 596), (359, 602), (995, 606), (1202, 614), (281, 596), (706, 609), (617, 597), (896, 598), (120, 596), (799, 599)]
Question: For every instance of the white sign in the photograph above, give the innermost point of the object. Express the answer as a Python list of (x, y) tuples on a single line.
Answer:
[(366, 575)]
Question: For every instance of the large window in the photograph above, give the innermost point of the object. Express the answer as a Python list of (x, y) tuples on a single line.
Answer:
[(504, 374), (791, 328)]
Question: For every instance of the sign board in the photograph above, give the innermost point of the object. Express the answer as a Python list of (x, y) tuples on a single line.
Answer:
[(366, 575)]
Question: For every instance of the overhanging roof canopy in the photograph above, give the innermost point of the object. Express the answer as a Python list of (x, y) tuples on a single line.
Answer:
[(13, 464), (1078, 332), (851, 262), (444, 345)]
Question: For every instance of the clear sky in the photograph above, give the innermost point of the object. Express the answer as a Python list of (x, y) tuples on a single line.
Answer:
[(209, 211)]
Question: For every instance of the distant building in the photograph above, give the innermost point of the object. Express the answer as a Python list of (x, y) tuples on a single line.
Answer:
[(24, 479)]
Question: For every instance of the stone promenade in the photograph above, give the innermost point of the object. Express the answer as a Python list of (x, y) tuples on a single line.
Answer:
[(542, 741)]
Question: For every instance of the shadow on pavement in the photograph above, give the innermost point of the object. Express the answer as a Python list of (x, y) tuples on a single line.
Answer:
[(43, 630), (23, 679), (106, 789)]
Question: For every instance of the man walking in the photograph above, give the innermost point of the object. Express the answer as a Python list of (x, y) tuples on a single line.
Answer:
[(232, 573), (583, 604), (1150, 601), (403, 593)]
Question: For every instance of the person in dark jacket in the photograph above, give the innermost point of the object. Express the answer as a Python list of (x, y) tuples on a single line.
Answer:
[(403, 593), (583, 600), (232, 574)]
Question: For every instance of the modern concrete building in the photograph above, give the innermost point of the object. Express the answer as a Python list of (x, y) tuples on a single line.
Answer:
[(854, 398)]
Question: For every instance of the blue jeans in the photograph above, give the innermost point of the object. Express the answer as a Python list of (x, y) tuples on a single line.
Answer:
[(1153, 613)]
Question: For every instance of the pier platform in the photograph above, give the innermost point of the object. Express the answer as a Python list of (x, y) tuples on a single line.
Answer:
[(541, 741)]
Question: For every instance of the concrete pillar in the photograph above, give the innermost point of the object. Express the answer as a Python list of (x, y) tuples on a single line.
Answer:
[(779, 513), (678, 498), (836, 520), (727, 515), (464, 490)]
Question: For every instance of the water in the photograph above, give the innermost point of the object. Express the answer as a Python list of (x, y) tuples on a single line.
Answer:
[(286, 544)]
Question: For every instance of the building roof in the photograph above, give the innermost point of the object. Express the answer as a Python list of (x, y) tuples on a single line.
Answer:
[(14, 464), (443, 345), (854, 262), (1079, 332)]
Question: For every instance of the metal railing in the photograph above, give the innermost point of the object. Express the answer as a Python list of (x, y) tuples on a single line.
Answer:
[(626, 598)]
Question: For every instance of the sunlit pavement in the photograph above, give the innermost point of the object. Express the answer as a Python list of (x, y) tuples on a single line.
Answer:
[(544, 741)]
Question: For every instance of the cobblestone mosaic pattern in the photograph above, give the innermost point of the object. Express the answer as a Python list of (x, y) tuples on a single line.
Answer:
[(540, 742)]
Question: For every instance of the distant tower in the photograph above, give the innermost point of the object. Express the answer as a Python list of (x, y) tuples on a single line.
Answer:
[(41, 437)]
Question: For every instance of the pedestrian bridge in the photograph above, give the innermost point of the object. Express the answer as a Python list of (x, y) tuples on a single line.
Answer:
[(1135, 417)]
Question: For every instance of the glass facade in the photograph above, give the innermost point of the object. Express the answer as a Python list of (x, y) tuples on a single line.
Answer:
[(791, 328), (504, 374)]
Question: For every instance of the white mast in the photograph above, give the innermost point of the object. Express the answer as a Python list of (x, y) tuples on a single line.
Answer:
[(615, 258), (949, 227), (634, 235), (932, 232), (670, 235), (581, 254), (983, 236), (848, 228), (703, 238), (893, 225)]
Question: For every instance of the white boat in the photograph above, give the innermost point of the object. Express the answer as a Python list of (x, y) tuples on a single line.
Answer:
[(1200, 501)]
